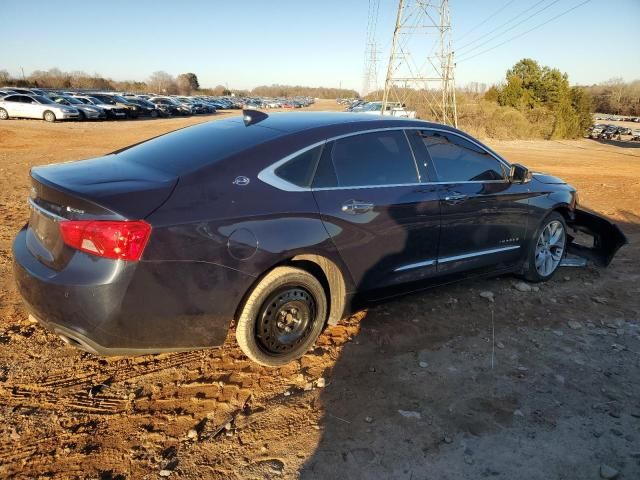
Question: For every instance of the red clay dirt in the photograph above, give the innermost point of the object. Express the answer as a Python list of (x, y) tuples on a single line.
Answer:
[(439, 384)]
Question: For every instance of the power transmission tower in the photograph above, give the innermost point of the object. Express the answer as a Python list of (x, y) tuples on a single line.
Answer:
[(370, 76), (420, 73), (370, 81)]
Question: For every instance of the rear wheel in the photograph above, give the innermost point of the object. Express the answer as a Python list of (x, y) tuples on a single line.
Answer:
[(547, 249), (282, 317), (4, 115), (49, 116)]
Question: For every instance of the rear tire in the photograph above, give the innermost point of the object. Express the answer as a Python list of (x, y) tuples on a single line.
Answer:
[(49, 116), (282, 317), (4, 115), (548, 247)]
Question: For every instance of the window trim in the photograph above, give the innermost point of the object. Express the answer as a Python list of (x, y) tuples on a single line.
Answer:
[(503, 163), (268, 176)]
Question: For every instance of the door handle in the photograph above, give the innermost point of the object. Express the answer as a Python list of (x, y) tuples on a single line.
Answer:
[(356, 208), (455, 197)]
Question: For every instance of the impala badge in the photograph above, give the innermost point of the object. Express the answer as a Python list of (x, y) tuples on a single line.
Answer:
[(241, 181)]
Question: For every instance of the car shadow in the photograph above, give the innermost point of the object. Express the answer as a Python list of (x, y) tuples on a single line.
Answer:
[(619, 143), (461, 383)]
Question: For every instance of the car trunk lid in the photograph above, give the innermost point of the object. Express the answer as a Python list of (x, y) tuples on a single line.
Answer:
[(98, 189)]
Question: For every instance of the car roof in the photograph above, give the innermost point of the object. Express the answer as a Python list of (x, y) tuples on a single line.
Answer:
[(292, 122)]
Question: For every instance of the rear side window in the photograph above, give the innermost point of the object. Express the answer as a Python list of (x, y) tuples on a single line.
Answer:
[(458, 160), (300, 169), (369, 159)]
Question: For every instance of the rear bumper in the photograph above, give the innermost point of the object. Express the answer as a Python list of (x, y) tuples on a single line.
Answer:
[(112, 307)]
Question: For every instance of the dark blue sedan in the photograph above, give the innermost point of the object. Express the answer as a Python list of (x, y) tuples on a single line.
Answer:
[(280, 223)]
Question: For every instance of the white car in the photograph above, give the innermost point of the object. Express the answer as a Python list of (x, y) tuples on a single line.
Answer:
[(393, 109), (35, 106)]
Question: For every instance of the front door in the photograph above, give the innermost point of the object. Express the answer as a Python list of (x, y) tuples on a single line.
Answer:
[(384, 222), (483, 215)]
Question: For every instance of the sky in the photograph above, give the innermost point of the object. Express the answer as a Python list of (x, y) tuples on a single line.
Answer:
[(247, 43)]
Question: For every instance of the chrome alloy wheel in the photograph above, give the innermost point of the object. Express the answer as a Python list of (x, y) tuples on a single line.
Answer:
[(550, 248)]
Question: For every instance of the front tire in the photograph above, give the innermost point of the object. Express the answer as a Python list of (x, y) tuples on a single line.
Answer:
[(547, 249), (49, 116), (282, 317), (4, 115)]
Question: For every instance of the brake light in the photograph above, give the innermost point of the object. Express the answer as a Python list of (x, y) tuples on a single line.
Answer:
[(124, 240)]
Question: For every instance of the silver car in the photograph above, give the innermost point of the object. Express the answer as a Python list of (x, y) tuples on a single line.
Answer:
[(87, 112), (35, 106)]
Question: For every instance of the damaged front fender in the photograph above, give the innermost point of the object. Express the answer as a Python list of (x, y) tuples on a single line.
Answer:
[(607, 237)]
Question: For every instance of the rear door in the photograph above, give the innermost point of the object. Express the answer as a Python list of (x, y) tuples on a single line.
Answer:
[(14, 105), (484, 215), (384, 222)]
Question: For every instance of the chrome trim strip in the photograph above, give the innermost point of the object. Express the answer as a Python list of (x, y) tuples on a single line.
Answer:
[(411, 266), (268, 176), (427, 263), (477, 254), (46, 213), (413, 155)]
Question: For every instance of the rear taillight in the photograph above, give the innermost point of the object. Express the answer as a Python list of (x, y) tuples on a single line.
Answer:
[(123, 240)]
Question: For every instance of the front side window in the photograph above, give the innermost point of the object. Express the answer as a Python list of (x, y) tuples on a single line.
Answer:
[(458, 160), (368, 159)]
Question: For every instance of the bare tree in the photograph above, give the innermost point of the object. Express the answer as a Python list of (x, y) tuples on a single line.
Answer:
[(162, 82)]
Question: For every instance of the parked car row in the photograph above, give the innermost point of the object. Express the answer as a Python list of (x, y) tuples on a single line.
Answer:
[(618, 118), (600, 131), (52, 105), (296, 102)]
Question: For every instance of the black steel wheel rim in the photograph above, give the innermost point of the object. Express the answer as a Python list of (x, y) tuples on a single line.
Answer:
[(285, 319)]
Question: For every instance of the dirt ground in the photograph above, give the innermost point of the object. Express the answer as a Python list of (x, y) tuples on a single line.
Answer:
[(442, 384)]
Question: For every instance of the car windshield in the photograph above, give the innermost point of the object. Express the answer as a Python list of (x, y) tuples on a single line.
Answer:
[(107, 100), (73, 100), (96, 101), (373, 107), (120, 99), (43, 100)]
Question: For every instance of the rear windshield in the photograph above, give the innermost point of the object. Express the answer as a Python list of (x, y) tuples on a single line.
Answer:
[(194, 147)]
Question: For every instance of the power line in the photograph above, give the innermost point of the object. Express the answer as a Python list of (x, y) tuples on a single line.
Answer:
[(511, 28), (500, 26), (485, 20), (524, 33)]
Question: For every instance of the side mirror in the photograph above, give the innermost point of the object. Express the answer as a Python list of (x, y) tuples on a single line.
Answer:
[(519, 174)]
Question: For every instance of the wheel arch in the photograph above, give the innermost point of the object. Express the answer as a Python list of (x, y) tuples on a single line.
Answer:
[(325, 270), (563, 209), (331, 278)]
